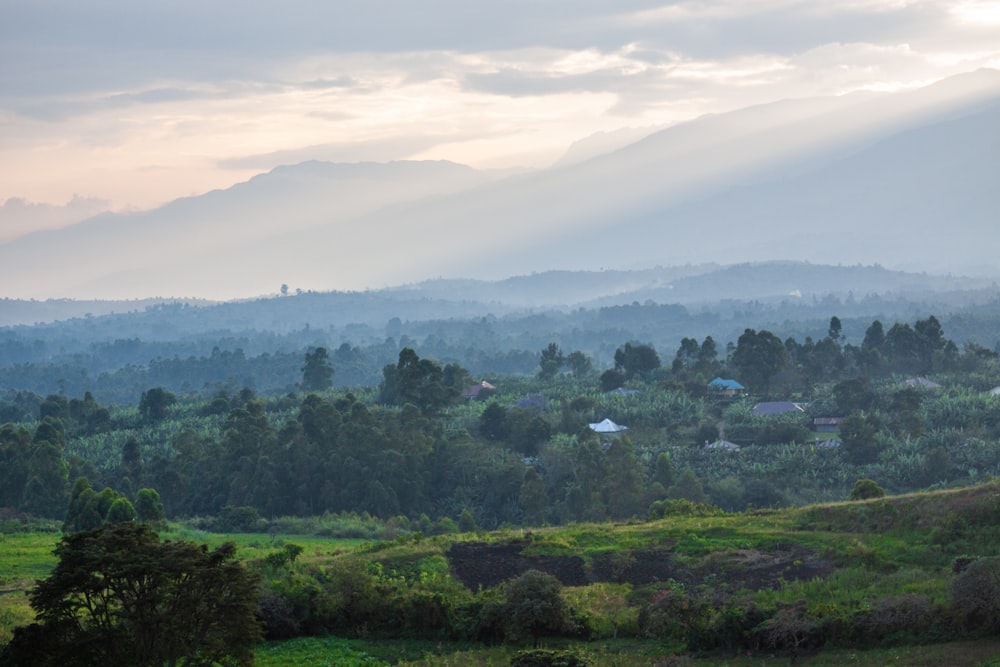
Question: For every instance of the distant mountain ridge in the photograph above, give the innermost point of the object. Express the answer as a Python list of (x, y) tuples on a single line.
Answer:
[(908, 179), (693, 285)]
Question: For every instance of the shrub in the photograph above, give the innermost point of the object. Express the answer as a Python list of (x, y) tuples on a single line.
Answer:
[(975, 595), (865, 489)]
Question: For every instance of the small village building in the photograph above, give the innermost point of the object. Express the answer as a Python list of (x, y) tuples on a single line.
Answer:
[(775, 408), (827, 424), (475, 390), (726, 387), (606, 427), (724, 445)]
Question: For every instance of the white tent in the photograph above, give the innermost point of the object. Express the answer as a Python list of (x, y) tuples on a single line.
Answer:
[(607, 426)]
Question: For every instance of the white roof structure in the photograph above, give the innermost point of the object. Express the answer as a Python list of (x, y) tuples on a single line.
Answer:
[(995, 391), (723, 444), (607, 426)]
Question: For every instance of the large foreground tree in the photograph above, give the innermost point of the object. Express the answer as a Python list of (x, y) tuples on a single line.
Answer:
[(119, 596)]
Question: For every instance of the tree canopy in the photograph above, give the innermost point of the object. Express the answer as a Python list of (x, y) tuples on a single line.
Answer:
[(120, 597)]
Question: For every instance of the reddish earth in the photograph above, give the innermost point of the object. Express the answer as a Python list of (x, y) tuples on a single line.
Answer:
[(486, 564)]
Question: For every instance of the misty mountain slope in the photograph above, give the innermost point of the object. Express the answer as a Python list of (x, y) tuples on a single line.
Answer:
[(925, 199), (107, 254), (928, 199), (785, 180)]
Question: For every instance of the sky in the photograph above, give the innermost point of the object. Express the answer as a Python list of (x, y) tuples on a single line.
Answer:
[(124, 105)]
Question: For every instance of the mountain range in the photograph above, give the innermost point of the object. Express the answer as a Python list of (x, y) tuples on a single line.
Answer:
[(906, 180)]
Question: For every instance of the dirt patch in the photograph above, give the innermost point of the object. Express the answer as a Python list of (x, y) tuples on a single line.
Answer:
[(757, 570), (486, 564)]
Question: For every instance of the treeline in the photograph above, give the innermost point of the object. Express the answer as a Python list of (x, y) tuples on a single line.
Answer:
[(203, 349)]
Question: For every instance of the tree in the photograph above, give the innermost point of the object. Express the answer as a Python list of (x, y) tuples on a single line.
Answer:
[(835, 331), (149, 509), (611, 379), (866, 489), (417, 381), (155, 403), (534, 607), (858, 434), (579, 364), (47, 474), (119, 596), (317, 373), (759, 357), (636, 360), (551, 361)]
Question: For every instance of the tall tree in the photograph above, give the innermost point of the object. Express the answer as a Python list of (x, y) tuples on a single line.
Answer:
[(759, 357), (120, 596), (154, 404), (551, 361), (636, 360), (317, 373)]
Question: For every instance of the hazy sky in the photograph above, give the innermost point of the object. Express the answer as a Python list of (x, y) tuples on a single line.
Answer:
[(132, 104)]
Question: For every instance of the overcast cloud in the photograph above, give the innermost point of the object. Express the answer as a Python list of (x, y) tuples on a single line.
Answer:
[(139, 103)]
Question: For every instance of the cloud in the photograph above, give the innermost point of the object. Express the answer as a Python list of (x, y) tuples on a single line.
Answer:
[(95, 95)]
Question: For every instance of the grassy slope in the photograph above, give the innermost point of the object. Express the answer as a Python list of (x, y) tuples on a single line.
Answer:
[(870, 549)]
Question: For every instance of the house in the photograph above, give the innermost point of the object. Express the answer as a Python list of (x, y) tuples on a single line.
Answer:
[(828, 444), (827, 424), (472, 393), (723, 444), (775, 408), (995, 391), (622, 391), (725, 386), (607, 426), (921, 383)]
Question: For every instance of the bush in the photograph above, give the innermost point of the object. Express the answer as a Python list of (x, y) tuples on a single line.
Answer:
[(865, 489), (975, 595)]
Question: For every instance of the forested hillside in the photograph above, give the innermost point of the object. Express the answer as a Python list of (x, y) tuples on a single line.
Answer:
[(489, 328)]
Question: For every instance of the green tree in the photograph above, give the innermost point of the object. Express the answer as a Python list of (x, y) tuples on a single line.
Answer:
[(636, 360), (47, 480), (865, 489), (467, 522), (533, 607), (120, 597), (417, 381), (611, 379), (154, 404), (758, 358), (121, 511), (551, 361), (317, 373), (858, 434), (835, 331), (579, 364), (149, 509)]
